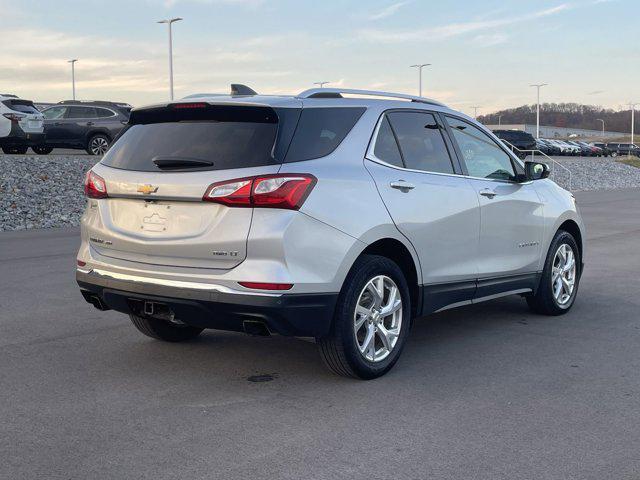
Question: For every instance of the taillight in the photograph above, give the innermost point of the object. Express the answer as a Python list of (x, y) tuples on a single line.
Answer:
[(94, 186), (288, 191), (14, 117), (267, 286)]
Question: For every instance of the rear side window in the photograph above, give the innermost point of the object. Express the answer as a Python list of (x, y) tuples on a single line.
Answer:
[(22, 106), (421, 142), (104, 113), (81, 112), (210, 138), (320, 131), (54, 112), (386, 148)]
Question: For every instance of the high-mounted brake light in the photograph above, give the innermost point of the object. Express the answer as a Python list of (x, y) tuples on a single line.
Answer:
[(267, 286), (94, 186), (287, 191), (189, 105)]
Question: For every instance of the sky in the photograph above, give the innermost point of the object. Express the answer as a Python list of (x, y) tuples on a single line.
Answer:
[(483, 53)]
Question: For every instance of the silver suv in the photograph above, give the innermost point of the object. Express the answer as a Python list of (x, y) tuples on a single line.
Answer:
[(321, 216)]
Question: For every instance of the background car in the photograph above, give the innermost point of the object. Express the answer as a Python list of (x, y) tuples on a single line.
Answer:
[(21, 124), (521, 140), (547, 147), (624, 149), (88, 125), (606, 151), (583, 150)]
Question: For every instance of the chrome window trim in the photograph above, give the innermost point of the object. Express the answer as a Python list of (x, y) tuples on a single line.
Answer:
[(372, 157)]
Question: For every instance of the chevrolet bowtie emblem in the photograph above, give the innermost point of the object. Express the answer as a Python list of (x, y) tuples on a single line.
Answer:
[(147, 189)]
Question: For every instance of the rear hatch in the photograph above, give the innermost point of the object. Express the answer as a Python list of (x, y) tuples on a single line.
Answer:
[(32, 119), (158, 170)]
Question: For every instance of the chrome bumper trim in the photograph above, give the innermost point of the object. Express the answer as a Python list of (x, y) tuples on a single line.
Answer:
[(208, 287)]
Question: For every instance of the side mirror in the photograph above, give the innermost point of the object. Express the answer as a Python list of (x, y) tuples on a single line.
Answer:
[(536, 170)]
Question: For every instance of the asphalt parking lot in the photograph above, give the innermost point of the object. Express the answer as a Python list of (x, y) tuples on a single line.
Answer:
[(484, 392)]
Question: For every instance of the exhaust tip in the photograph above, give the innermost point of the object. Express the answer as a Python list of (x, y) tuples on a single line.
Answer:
[(255, 328)]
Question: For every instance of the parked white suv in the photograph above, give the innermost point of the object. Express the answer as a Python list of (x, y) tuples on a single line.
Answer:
[(322, 216), (21, 124)]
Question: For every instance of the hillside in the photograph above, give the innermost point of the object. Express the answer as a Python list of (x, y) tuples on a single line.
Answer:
[(570, 115)]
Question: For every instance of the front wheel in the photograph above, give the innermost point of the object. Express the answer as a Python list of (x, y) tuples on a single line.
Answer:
[(560, 277), (98, 145), (163, 330), (614, 154), (371, 320), (42, 149)]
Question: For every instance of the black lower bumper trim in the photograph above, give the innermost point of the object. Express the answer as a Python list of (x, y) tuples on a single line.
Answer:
[(300, 315)]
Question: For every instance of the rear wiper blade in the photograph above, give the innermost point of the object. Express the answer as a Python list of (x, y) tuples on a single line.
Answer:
[(178, 163)]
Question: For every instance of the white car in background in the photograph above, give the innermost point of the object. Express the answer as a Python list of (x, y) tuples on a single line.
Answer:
[(21, 125)]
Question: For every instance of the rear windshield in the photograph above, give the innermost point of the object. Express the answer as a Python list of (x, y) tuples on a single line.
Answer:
[(218, 137), (211, 138), (22, 106)]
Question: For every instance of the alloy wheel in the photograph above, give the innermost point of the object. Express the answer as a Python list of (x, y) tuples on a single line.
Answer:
[(563, 274), (378, 318), (99, 146)]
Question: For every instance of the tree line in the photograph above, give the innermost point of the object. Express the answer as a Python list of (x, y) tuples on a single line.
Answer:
[(571, 115)]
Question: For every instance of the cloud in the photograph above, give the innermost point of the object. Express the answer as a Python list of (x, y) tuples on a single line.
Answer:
[(455, 29), (387, 11), (490, 39)]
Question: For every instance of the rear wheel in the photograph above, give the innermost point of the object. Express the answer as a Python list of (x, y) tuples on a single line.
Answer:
[(163, 330), (15, 150), (559, 283), (98, 144), (614, 154), (371, 320), (42, 149)]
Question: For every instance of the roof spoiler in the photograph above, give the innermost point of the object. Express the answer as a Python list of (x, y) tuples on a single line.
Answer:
[(239, 89)]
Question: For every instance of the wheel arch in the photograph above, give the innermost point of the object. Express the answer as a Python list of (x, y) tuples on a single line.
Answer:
[(398, 252), (98, 131), (573, 228)]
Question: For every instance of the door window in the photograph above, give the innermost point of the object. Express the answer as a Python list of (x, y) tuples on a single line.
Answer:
[(421, 143), (386, 148), (54, 112), (81, 112), (482, 155)]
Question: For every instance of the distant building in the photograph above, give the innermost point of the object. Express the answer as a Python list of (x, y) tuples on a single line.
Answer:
[(558, 132)]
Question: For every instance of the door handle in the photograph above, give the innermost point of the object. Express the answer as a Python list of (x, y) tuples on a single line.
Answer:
[(402, 185), (485, 192)]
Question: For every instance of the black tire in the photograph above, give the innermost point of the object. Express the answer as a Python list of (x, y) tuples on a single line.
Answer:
[(543, 301), (98, 144), (339, 349), (42, 149), (15, 150), (163, 330)]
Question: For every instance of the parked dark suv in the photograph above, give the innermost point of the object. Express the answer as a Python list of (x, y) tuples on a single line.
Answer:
[(624, 149), (88, 125), (519, 139)]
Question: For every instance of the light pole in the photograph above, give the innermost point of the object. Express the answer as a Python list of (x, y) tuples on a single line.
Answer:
[(601, 120), (420, 66), (475, 111), (322, 84), (633, 112), (169, 22), (500, 120), (538, 86), (73, 77)]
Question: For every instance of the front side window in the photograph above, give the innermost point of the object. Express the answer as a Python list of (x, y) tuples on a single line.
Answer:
[(483, 157), (386, 148), (421, 142), (54, 112)]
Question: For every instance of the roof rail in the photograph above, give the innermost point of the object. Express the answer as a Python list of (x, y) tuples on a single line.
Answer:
[(336, 92)]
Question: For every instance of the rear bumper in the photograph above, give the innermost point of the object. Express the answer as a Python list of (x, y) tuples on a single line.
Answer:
[(302, 315), (19, 138)]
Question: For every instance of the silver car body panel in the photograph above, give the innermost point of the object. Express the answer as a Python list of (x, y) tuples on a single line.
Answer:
[(451, 232)]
